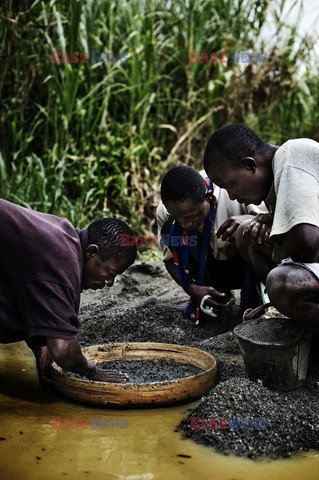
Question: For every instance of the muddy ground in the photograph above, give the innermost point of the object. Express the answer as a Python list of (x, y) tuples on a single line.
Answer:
[(145, 305)]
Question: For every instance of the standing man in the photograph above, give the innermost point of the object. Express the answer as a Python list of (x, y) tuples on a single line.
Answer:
[(45, 263), (287, 179)]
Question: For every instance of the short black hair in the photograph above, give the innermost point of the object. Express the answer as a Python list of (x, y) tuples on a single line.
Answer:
[(107, 233), (229, 145), (183, 183)]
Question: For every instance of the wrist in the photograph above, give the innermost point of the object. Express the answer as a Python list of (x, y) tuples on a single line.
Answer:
[(191, 288), (91, 370)]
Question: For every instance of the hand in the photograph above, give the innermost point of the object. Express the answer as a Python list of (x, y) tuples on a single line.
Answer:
[(228, 229), (259, 229), (197, 292), (100, 375)]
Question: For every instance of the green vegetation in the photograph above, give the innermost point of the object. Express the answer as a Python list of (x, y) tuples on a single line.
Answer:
[(83, 140)]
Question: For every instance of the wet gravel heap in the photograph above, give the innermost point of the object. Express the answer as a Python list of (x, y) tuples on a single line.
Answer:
[(141, 371), (285, 422)]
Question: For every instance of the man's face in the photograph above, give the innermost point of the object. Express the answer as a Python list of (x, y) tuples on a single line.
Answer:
[(97, 273), (189, 215), (244, 184)]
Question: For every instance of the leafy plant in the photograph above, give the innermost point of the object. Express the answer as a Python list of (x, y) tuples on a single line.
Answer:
[(83, 140)]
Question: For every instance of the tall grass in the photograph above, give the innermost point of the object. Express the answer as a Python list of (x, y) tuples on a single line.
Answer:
[(89, 139)]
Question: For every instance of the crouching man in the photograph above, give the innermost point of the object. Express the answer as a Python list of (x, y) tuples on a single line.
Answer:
[(283, 246), (45, 264), (197, 222)]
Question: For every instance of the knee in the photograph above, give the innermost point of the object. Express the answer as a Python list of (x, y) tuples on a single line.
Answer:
[(282, 286)]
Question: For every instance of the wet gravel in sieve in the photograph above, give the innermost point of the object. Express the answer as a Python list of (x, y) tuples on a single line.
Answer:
[(141, 371)]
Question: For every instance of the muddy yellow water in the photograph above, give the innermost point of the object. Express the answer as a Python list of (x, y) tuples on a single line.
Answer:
[(148, 449)]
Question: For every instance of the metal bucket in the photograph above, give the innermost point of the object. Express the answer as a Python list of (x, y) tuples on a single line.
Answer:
[(275, 350)]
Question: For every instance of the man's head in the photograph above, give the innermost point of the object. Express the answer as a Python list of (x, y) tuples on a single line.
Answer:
[(238, 160), (105, 257), (184, 194)]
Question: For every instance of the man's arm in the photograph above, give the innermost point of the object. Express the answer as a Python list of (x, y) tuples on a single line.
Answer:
[(49, 309), (301, 243), (172, 270), (197, 292), (68, 355)]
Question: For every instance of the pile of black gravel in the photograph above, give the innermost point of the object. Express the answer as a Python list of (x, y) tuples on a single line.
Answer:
[(260, 422)]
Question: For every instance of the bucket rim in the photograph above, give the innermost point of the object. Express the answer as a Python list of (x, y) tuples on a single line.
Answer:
[(302, 334)]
